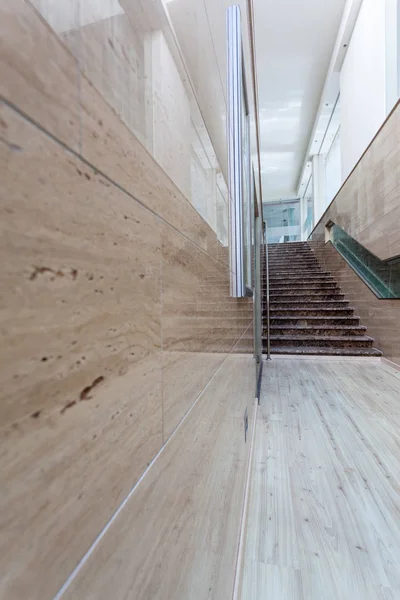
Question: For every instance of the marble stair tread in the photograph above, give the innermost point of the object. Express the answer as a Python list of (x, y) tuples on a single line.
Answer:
[(296, 272), (311, 304), (280, 287), (275, 258), (287, 263), (293, 284), (281, 259), (294, 330), (296, 257), (310, 272), (309, 312), (300, 281), (284, 290), (296, 298), (336, 341), (315, 321), (339, 338), (318, 350), (320, 285), (305, 293)]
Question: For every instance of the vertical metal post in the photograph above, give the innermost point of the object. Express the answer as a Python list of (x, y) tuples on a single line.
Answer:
[(267, 295), (234, 136), (257, 308)]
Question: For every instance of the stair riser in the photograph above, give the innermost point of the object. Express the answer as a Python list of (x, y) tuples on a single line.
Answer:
[(296, 273), (274, 330), (322, 343), (288, 287), (303, 299), (301, 281), (299, 289), (291, 285), (288, 293), (296, 277), (301, 351), (293, 263), (308, 304), (294, 256), (318, 323), (310, 312)]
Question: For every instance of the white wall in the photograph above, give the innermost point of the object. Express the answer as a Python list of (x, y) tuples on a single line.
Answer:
[(171, 116), (318, 180), (392, 53), (363, 83), (200, 28), (333, 170)]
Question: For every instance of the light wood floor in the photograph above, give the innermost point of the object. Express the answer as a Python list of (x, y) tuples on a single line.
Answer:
[(324, 512)]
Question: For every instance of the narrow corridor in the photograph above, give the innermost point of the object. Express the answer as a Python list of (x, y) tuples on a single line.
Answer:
[(323, 519)]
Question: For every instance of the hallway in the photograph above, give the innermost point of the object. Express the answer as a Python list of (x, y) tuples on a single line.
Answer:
[(323, 519)]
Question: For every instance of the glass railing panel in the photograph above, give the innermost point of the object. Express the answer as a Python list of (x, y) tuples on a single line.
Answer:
[(383, 277)]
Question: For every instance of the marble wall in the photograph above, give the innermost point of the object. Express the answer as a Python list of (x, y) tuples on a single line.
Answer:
[(128, 51), (382, 317), (368, 208), (115, 313), (368, 204)]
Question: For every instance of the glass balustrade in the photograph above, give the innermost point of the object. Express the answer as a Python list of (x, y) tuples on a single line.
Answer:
[(382, 276)]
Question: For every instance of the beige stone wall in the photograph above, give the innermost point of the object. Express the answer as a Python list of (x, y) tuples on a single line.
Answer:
[(368, 204), (115, 318), (368, 208)]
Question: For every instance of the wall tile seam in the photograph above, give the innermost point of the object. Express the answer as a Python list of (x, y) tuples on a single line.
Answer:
[(98, 171)]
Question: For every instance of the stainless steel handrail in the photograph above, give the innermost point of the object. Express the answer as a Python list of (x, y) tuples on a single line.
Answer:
[(267, 307), (267, 297)]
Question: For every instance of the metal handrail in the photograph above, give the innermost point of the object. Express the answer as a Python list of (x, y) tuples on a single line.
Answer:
[(267, 298)]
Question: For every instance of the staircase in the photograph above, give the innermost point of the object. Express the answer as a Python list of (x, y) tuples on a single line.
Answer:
[(308, 312)]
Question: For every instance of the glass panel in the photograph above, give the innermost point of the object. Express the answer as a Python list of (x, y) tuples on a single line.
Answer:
[(382, 277), (127, 50), (283, 220)]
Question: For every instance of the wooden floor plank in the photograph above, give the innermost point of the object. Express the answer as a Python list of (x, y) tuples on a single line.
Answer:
[(324, 512)]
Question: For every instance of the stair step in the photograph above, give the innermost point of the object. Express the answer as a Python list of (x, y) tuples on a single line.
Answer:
[(296, 277), (296, 257), (314, 321), (313, 300), (296, 272), (280, 286), (294, 292), (321, 351), (290, 245), (308, 303), (327, 330), (311, 312), (293, 263), (334, 341), (293, 256), (300, 281)]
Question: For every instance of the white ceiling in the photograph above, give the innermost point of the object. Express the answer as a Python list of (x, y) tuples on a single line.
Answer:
[(294, 44)]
